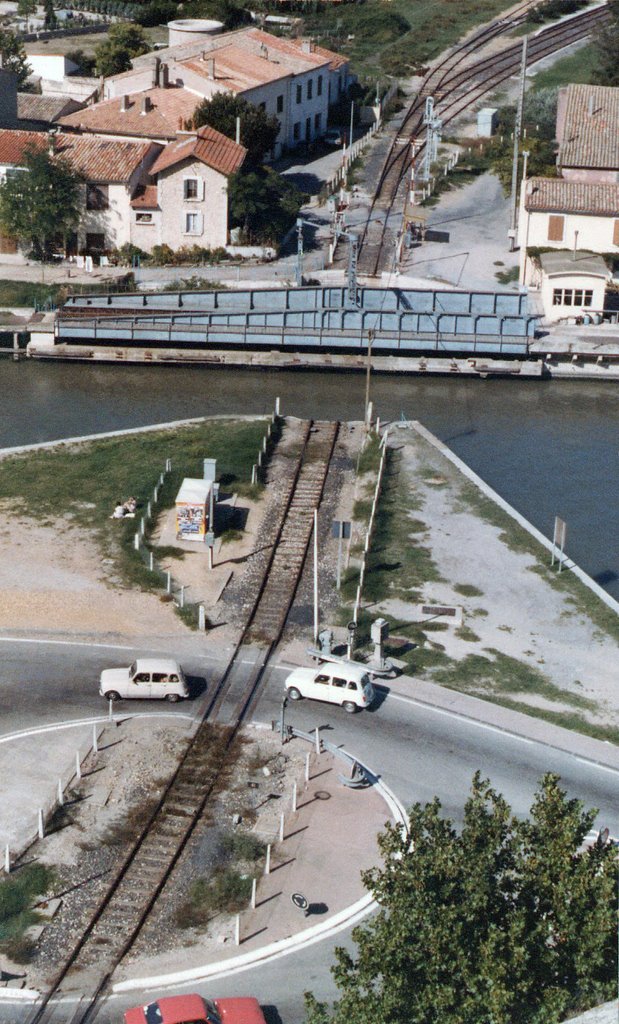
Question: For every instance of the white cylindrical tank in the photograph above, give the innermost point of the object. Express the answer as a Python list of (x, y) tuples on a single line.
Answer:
[(189, 30)]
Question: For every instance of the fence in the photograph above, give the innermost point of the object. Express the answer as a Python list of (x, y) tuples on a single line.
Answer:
[(350, 153), (371, 522), (55, 799)]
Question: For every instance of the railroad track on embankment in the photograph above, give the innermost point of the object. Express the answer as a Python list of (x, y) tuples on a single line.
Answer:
[(83, 979), (454, 88)]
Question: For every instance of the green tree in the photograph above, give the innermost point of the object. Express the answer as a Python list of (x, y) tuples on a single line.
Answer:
[(123, 42), (41, 202), (13, 55), (258, 129), (26, 7), (263, 204), (51, 21), (504, 922), (607, 48)]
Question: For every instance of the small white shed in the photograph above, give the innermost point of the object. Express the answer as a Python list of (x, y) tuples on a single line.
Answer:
[(487, 119), (192, 509), (572, 284)]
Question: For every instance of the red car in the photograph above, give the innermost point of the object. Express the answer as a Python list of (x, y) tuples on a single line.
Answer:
[(194, 1009)]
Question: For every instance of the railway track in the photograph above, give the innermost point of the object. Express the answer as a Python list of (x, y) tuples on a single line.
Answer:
[(454, 89), (83, 979)]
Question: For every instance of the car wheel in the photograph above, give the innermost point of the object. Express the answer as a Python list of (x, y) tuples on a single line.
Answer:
[(173, 698), (111, 695), (349, 707), (293, 693)]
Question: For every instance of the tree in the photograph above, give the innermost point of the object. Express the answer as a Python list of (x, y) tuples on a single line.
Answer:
[(264, 204), (607, 46), (14, 56), (51, 21), (258, 129), (123, 42), (26, 7), (85, 63), (505, 922), (41, 202)]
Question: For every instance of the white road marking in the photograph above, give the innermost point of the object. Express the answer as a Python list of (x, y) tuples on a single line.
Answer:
[(83, 643), (75, 723)]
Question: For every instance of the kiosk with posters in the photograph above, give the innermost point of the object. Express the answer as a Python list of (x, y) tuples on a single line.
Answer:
[(193, 509)]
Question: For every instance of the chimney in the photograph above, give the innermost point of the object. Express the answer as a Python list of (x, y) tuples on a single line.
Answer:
[(165, 76), (210, 68), (264, 51), (146, 105), (51, 142), (591, 108), (307, 46), (156, 68), (124, 103)]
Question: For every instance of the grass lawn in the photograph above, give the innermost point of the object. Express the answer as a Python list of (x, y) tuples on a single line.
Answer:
[(397, 38), (81, 484), (577, 67), (18, 892)]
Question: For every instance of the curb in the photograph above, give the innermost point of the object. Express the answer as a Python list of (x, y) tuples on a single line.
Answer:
[(282, 947)]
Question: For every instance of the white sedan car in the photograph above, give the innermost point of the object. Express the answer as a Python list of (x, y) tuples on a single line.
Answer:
[(150, 678)]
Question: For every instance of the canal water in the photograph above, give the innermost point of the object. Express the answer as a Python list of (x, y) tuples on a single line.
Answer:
[(549, 448)]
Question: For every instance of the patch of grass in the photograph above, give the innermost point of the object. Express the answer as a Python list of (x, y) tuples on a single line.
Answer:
[(468, 590), (567, 719), (125, 829), (369, 458), (466, 633), (577, 68), (243, 846), (507, 276), (18, 892), (58, 483), (227, 892), (229, 536), (168, 551)]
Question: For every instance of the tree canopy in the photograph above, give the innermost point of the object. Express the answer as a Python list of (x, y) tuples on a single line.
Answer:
[(258, 129), (607, 48), (263, 204), (123, 42), (41, 202), (504, 922), (13, 55)]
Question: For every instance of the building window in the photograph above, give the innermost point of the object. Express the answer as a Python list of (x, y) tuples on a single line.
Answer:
[(319, 86), (190, 188), (317, 126), (555, 228), (144, 218), (310, 88), (193, 224), (572, 297), (296, 131), (299, 94), (280, 104), (262, 106), (95, 242), (308, 128), (97, 197)]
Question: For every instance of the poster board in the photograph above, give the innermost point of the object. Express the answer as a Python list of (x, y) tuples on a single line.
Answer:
[(192, 503)]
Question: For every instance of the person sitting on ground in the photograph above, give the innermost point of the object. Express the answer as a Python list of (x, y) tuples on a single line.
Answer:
[(130, 506), (119, 511)]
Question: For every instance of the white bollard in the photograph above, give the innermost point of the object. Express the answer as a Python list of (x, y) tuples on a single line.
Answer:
[(267, 862), (142, 526), (7, 860), (78, 767), (201, 617), (253, 473), (378, 424), (168, 465), (149, 510), (277, 406), (253, 894), (281, 827), (264, 444), (307, 766), (294, 797), (95, 744), (136, 542), (110, 710), (160, 479), (60, 794), (151, 561), (155, 492), (259, 459), (168, 585), (182, 596), (237, 930), (41, 827), (317, 740)]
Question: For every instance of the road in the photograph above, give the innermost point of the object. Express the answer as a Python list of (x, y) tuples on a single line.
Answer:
[(419, 752)]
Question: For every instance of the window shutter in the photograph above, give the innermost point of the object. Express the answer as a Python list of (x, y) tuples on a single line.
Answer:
[(200, 223), (616, 233), (201, 188), (555, 228)]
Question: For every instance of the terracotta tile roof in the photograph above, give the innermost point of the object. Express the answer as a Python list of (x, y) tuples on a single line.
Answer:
[(32, 107), (336, 60), (561, 196), (104, 160), (236, 69), (211, 147), (168, 110), (146, 198), (590, 128), (290, 51)]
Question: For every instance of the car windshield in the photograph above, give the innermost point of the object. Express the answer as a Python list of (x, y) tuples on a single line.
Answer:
[(212, 1013), (152, 1013), (132, 670)]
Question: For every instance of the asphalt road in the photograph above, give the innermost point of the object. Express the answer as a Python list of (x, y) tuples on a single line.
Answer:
[(418, 751)]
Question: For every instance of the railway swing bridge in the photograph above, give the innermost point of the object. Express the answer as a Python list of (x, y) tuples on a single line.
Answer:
[(82, 982)]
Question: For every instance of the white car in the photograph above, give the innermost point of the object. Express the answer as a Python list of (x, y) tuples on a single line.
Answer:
[(347, 685), (150, 678)]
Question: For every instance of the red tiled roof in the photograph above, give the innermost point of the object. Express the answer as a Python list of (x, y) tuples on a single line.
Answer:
[(105, 160), (169, 110), (299, 59), (336, 60), (590, 130), (237, 69), (210, 146), (146, 198), (561, 196)]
